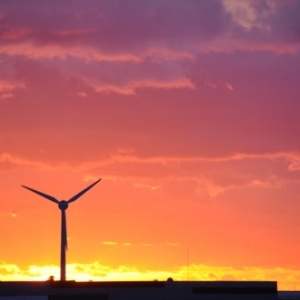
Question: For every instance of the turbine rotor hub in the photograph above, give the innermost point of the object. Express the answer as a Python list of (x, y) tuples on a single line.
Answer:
[(63, 205)]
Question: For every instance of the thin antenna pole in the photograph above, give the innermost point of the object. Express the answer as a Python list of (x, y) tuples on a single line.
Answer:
[(187, 264)]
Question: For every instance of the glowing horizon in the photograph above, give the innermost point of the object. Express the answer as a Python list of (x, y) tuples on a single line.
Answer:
[(287, 278)]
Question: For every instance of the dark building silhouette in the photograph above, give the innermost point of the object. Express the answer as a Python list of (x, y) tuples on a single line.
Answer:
[(138, 290)]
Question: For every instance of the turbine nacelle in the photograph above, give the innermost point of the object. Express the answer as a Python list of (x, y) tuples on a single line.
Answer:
[(63, 205)]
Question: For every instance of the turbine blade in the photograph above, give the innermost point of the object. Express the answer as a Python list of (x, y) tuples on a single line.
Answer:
[(82, 192), (41, 194)]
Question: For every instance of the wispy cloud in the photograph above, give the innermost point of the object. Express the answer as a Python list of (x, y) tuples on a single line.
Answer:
[(208, 180), (7, 88), (131, 87), (170, 244), (109, 243)]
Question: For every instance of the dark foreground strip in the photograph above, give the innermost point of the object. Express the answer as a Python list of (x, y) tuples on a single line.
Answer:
[(234, 290)]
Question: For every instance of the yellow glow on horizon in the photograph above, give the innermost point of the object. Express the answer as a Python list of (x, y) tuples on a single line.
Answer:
[(288, 279)]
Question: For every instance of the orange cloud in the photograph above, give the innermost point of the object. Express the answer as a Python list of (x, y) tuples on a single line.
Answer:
[(109, 243)]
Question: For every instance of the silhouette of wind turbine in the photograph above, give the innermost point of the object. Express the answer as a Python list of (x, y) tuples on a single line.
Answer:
[(63, 205)]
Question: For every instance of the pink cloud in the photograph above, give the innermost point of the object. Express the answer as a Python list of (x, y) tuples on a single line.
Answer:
[(131, 88), (7, 88)]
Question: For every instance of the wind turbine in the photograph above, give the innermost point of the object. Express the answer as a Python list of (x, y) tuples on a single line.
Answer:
[(63, 205)]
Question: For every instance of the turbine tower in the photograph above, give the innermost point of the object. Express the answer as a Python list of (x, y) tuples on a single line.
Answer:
[(63, 205)]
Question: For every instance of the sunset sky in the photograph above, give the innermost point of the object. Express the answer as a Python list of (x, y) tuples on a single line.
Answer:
[(188, 110)]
